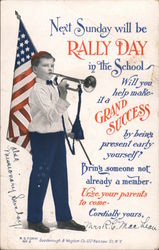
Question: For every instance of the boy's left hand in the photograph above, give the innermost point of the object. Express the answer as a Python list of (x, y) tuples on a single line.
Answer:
[(71, 135)]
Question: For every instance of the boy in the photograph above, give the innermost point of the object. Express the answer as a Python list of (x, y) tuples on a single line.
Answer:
[(48, 146)]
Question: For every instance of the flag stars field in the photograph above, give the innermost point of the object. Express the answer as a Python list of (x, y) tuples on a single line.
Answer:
[(26, 42), (23, 36), (24, 49)]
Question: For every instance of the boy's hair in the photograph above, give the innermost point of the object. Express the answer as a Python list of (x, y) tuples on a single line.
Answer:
[(37, 56)]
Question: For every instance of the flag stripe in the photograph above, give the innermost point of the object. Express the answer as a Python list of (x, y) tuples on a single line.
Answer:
[(15, 139), (25, 114), (16, 129), (22, 83), (22, 68), (22, 75), (23, 89), (23, 96), (20, 140), (22, 128), (19, 106), (11, 134), (26, 141), (27, 108), (21, 118), (28, 147)]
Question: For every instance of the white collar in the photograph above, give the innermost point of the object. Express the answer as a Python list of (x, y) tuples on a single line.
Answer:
[(39, 80)]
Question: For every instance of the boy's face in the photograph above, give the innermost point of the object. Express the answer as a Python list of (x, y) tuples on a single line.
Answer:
[(44, 69)]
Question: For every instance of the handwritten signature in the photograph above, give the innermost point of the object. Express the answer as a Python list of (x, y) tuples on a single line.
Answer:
[(11, 156), (118, 224)]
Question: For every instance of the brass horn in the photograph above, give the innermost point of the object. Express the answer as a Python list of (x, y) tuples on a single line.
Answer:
[(89, 83)]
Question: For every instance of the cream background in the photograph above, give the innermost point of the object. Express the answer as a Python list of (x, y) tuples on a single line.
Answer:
[(36, 15)]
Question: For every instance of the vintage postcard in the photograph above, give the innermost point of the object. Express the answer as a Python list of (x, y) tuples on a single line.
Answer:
[(79, 124)]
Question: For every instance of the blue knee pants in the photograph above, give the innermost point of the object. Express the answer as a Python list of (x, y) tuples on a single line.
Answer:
[(49, 162)]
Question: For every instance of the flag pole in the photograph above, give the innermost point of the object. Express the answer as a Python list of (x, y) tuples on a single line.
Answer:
[(17, 14)]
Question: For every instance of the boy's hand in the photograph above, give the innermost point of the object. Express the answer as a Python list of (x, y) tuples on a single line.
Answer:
[(71, 135), (63, 89)]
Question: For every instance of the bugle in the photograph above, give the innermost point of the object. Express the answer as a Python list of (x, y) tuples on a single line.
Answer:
[(89, 83)]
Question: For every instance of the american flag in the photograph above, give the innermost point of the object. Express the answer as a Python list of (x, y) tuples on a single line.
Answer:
[(23, 81)]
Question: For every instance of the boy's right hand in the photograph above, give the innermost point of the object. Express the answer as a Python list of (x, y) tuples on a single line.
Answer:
[(62, 87)]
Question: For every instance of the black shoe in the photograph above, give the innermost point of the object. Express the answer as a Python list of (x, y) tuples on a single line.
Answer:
[(39, 227), (71, 225)]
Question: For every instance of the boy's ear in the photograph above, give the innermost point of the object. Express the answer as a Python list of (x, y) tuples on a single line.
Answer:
[(34, 69)]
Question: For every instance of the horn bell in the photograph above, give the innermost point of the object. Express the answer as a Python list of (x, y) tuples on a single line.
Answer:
[(89, 83)]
